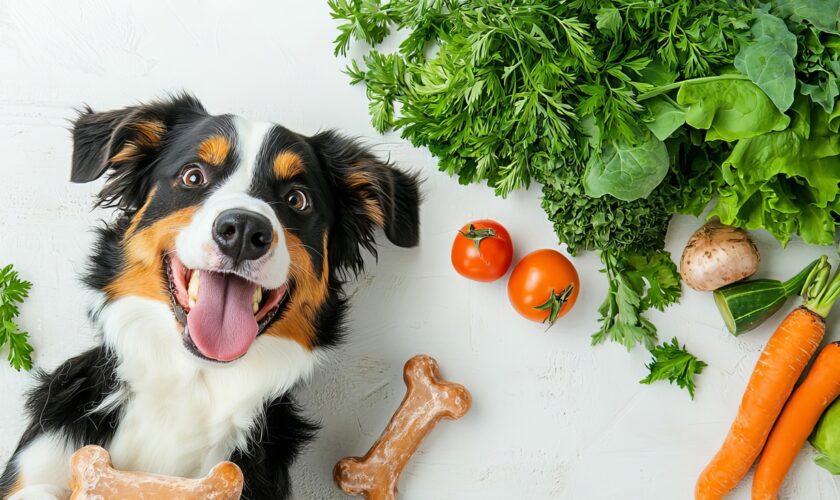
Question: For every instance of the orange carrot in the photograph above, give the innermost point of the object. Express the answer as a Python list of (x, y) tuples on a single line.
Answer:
[(779, 366), (802, 411)]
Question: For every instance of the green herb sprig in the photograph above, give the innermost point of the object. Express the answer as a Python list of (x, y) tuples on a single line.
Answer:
[(674, 364), (13, 291)]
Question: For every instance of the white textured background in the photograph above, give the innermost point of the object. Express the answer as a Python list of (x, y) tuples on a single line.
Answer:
[(552, 416)]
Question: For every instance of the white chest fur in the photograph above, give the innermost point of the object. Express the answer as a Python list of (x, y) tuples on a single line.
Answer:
[(183, 415)]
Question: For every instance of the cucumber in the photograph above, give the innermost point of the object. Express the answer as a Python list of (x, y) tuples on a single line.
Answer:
[(746, 304)]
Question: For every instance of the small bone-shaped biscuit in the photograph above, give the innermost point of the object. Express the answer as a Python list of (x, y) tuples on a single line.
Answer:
[(427, 400), (92, 477)]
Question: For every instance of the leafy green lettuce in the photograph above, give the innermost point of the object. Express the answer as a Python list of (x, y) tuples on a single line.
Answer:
[(786, 181), (730, 109)]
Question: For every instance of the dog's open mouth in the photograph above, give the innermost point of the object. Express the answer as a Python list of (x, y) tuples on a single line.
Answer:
[(222, 313)]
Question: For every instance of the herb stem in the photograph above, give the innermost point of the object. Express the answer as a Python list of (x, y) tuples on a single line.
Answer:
[(671, 86)]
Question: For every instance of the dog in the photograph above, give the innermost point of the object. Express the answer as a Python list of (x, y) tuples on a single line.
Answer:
[(218, 286)]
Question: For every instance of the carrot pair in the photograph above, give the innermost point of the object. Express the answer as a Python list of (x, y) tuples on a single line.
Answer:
[(777, 370), (802, 411)]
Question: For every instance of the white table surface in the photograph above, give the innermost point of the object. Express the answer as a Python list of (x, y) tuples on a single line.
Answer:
[(552, 416)]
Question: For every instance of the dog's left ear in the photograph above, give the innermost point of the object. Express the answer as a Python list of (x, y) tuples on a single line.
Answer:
[(123, 145), (370, 193)]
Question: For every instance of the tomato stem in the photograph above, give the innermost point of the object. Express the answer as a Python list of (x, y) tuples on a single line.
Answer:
[(476, 235), (555, 303)]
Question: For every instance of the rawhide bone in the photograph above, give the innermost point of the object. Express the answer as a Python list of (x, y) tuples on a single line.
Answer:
[(427, 400), (92, 477)]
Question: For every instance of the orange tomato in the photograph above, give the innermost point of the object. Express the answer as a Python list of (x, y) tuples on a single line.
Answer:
[(543, 286), (482, 250)]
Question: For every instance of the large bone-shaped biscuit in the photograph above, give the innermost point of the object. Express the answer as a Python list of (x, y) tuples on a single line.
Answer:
[(92, 477), (427, 400)]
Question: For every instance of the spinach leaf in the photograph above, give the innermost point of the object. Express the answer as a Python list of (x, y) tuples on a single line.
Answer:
[(666, 117), (730, 109), (626, 171), (820, 75), (768, 59), (822, 14), (824, 93)]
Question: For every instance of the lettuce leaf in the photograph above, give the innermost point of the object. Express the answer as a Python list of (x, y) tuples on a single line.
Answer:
[(730, 109), (785, 181)]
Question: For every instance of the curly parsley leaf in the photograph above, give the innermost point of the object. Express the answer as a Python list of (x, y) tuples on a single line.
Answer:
[(13, 291), (674, 364)]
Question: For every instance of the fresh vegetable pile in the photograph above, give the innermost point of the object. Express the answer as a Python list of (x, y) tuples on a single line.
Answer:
[(626, 113), (12, 292)]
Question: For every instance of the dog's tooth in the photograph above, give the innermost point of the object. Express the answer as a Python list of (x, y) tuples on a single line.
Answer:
[(256, 299), (192, 289)]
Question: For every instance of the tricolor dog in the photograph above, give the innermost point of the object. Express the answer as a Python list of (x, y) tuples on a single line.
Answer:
[(219, 283)]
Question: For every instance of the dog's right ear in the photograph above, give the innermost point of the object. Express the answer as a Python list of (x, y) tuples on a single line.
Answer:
[(124, 143)]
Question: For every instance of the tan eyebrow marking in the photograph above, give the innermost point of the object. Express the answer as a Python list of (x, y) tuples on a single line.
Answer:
[(214, 150), (287, 165)]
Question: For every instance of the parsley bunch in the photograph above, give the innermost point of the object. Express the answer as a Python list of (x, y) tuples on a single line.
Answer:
[(514, 87), (12, 292)]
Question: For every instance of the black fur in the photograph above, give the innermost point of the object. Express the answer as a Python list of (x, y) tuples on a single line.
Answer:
[(62, 401), (107, 261), (98, 137), (396, 192)]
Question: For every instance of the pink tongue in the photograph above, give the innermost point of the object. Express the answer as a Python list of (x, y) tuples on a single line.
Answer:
[(222, 323)]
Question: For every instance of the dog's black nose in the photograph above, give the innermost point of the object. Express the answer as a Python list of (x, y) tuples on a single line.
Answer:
[(242, 235)]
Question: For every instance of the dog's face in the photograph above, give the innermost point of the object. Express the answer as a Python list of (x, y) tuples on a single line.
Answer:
[(243, 228)]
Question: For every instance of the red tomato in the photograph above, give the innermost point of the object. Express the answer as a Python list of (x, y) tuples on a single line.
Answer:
[(482, 250), (543, 286)]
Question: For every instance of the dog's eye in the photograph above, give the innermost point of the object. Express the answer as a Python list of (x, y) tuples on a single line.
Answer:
[(297, 200), (193, 176)]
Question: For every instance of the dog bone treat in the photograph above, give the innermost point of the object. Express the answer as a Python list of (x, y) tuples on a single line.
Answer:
[(427, 400), (92, 477)]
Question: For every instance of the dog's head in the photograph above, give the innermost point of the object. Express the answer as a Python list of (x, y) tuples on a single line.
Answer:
[(244, 229)]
